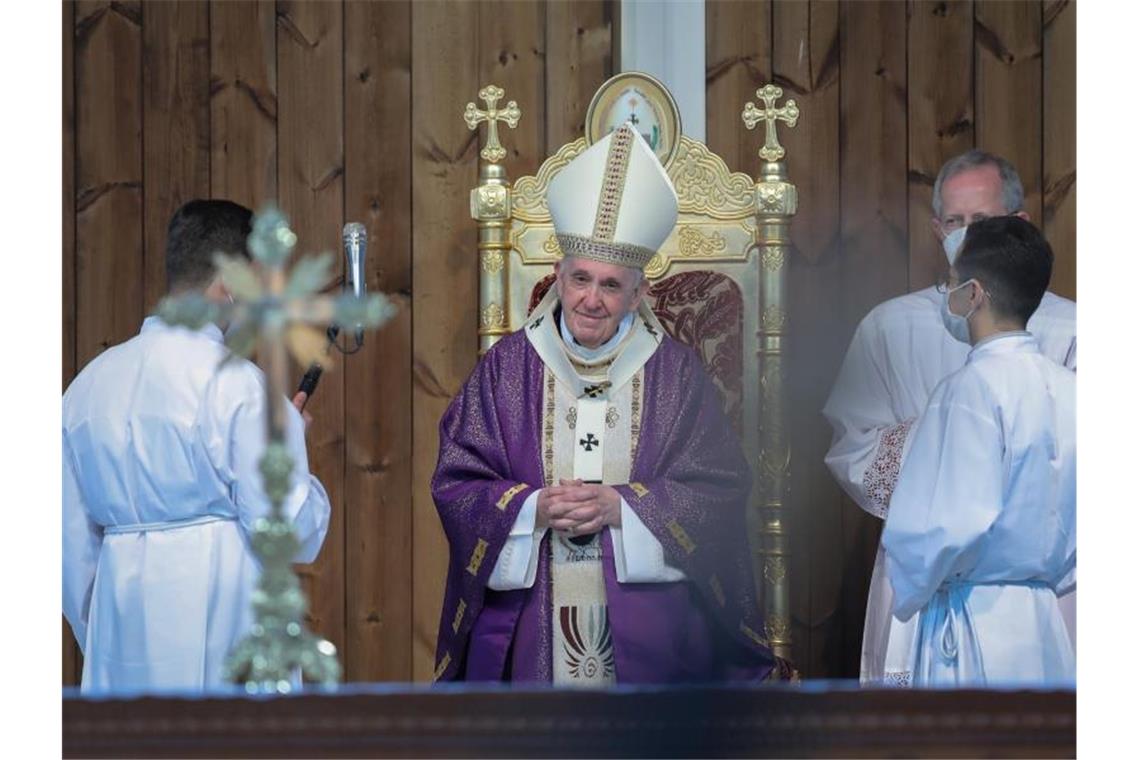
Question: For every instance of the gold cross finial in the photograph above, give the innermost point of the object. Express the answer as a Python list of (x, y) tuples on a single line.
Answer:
[(493, 151), (789, 113)]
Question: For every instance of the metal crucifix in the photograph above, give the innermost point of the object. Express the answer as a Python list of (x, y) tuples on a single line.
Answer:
[(275, 313), (493, 151), (789, 113)]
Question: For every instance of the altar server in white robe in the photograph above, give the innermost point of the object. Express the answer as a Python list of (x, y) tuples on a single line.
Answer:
[(981, 535), (899, 353), (161, 487)]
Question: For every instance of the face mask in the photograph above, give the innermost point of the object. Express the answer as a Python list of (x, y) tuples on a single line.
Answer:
[(229, 328), (956, 325), (952, 242)]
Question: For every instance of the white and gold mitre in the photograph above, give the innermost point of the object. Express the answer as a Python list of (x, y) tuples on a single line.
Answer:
[(614, 203)]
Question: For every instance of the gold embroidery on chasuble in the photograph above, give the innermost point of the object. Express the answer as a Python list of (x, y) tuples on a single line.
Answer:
[(548, 429), (509, 494), (439, 669), (718, 590), (681, 536), (459, 610), (635, 415), (638, 489), (477, 557)]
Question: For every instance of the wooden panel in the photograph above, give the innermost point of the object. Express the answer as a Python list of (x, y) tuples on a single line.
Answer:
[(176, 118), (108, 48), (1059, 96), (806, 64), (873, 197), (940, 117), (68, 182), (512, 53), (738, 61), (243, 102), (310, 49), (1007, 49), (445, 300), (579, 40), (71, 667), (378, 392)]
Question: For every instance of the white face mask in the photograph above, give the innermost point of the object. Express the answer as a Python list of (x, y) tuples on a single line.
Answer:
[(952, 242), (229, 328), (955, 324)]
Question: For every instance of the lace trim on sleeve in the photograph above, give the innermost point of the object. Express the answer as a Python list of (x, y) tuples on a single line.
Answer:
[(880, 479), (898, 679)]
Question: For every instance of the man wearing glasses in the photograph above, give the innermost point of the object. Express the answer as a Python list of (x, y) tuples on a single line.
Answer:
[(900, 352)]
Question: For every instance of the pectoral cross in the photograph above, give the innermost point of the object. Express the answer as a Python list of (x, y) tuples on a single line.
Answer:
[(275, 312), (493, 151), (789, 113), (593, 391)]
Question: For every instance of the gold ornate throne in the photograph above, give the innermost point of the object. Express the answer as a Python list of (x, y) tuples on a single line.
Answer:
[(717, 284)]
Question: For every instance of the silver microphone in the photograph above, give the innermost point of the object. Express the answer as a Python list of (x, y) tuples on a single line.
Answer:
[(355, 237)]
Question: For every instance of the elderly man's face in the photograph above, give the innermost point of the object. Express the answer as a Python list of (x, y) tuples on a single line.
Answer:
[(968, 197), (596, 296)]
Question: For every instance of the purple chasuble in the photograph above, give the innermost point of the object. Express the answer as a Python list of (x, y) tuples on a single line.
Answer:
[(690, 487)]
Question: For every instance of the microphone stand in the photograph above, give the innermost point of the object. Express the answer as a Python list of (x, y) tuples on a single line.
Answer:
[(357, 234), (312, 376)]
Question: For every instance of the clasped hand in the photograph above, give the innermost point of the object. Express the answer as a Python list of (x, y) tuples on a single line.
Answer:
[(577, 508)]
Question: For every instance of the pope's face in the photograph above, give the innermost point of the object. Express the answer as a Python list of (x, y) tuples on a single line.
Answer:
[(596, 296), (970, 196)]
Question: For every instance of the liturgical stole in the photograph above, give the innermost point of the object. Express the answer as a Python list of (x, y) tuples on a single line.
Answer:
[(591, 415)]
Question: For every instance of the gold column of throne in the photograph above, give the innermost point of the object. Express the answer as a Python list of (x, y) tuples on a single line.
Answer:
[(717, 282)]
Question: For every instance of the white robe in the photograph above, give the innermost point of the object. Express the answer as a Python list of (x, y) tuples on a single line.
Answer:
[(981, 534), (160, 492), (899, 353)]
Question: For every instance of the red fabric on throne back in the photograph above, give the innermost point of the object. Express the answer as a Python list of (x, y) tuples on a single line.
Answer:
[(705, 311)]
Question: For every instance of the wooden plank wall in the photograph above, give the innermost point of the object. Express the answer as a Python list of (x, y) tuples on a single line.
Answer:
[(70, 663), (887, 92), (352, 111), (339, 111)]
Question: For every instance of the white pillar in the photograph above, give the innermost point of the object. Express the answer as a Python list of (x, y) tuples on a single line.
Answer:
[(666, 39)]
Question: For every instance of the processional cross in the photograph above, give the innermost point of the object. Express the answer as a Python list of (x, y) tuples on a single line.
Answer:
[(275, 313), (493, 151), (789, 113)]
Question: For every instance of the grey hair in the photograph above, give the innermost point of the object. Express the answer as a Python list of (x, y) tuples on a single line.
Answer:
[(1012, 193)]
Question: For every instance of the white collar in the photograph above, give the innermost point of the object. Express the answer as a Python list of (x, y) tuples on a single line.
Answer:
[(1005, 342), (208, 330), (591, 354)]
